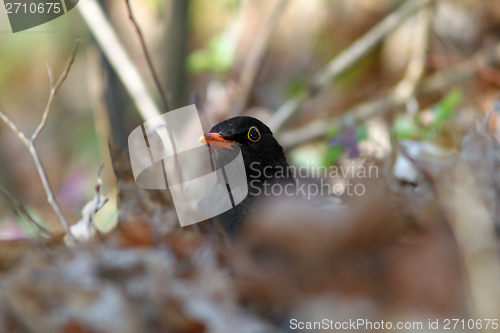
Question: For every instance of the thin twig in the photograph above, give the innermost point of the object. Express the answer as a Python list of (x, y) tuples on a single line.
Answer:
[(54, 89), (14, 128), (51, 199), (119, 59), (148, 59), (100, 202), (30, 144), (160, 90), (344, 61), (20, 209), (254, 59)]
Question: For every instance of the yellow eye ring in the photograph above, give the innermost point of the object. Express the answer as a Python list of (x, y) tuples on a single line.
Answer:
[(253, 134)]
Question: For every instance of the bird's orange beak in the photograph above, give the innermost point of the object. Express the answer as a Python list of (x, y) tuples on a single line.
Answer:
[(215, 140)]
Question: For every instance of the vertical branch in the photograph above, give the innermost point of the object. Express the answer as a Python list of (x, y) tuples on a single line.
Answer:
[(119, 59), (148, 59), (51, 199), (30, 143), (159, 87)]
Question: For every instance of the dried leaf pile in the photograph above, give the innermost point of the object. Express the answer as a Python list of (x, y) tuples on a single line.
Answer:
[(400, 252)]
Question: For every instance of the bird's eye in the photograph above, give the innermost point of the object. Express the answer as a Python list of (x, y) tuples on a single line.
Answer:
[(253, 134)]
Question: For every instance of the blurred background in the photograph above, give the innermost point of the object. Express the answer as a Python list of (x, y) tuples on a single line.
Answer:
[(431, 79), (405, 86)]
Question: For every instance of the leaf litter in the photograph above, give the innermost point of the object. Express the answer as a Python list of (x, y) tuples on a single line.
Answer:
[(403, 251)]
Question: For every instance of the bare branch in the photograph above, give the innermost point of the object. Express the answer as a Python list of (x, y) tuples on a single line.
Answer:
[(160, 89), (148, 59), (14, 128), (119, 59), (54, 89), (51, 199), (51, 76), (30, 144), (345, 60)]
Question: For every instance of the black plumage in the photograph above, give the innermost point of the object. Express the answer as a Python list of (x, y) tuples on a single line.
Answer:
[(264, 159)]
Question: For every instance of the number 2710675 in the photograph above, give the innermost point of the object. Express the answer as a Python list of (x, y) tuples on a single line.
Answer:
[(33, 8), (451, 324)]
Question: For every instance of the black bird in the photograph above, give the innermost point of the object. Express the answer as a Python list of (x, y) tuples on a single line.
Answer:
[(265, 165)]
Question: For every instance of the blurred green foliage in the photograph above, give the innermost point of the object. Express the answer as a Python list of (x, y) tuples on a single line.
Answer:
[(217, 57), (296, 87), (333, 155), (225, 4), (410, 127), (447, 107)]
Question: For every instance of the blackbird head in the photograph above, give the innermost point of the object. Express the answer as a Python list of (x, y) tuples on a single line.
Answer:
[(263, 158), (256, 141)]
